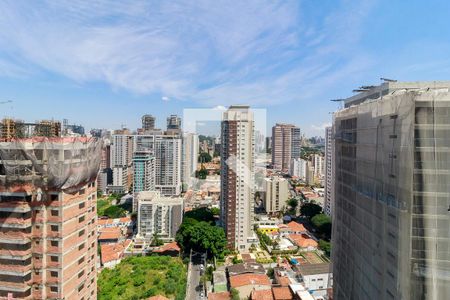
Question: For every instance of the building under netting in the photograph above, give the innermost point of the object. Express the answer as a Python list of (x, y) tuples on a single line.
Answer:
[(391, 220), (48, 240)]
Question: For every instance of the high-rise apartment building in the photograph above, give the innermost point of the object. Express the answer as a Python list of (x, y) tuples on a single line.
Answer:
[(122, 147), (237, 176), (391, 215), (167, 150), (173, 122), (299, 168), (318, 164), (329, 171), (286, 145), (48, 234), (143, 171), (148, 122), (190, 157), (158, 215), (275, 195)]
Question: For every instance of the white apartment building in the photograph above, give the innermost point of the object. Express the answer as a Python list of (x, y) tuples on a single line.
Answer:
[(329, 175), (318, 166), (298, 168), (158, 214), (275, 195), (237, 176), (190, 157)]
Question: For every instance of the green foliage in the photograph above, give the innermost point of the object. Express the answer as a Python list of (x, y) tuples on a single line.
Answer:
[(325, 247), (204, 157), (115, 212), (323, 223), (234, 294), (310, 210), (198, 233), (156, 241), (201, 214), (142, 277), (270, 273), (215, 211), (293, 203), (202, 173), (236, 260)]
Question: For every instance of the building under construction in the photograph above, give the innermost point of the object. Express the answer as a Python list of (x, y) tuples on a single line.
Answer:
[(391, 215), (48, 241)]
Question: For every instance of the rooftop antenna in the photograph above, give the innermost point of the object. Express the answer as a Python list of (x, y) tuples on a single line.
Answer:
[(387, 79)]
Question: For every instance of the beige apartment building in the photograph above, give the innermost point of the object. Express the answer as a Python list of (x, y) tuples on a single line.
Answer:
[(286, 142), (48, 240), (275, 195)]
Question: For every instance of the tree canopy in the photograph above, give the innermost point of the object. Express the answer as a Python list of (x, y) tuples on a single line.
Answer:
[(201, 214), (151, 276), (201, 236), (323, 223), (293, 203), (310, 210), (204, 157)]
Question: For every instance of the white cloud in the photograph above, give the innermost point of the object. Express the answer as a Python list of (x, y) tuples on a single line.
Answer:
[(320, 128), (212, 52)]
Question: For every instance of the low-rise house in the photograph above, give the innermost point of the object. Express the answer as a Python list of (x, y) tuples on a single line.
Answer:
[(110, 235), (170, 249), (303, 241), (261, 295), (245, 268), (317, 278), (112, 254), (294, 228), (282, 293), (246, 283)]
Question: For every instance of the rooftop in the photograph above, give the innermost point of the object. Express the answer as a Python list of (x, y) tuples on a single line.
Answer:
[(313, 269), (294, 226), (262, 295), (282, 293), (303, 240), (112, 233), (246, 268), (249, 279), (219, 296)]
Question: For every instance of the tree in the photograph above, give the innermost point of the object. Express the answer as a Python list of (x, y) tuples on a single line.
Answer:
[(204, 157), (293, 203), (202, 173), (115, 212), (201, 214), (235, 294), (323, 223), (201, 236), (325, 247), (215, 211), (310, 210), (156, 241)]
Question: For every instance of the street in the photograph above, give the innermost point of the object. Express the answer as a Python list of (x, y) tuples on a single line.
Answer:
[(194, 289)]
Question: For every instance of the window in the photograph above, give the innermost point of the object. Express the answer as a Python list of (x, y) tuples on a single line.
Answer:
[(54, 289), (54, 227), (54, 243), (81, 260), (81, 232), (54, 212), (80, 274), (81, 219), (53, 273), (81, 246), (81, 205), (80, 288), (54, 258)]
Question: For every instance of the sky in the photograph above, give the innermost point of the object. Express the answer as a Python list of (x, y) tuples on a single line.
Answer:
[(104, 64)]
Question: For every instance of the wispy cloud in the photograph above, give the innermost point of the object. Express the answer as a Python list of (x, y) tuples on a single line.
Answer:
[(255, 52)]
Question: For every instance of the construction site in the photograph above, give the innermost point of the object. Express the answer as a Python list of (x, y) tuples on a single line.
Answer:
[(48, 239)]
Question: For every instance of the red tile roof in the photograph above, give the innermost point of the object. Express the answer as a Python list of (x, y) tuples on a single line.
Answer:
[(219, 296), (282, 293), (303, 240), (262, 295), (168, 247), (110, 252), (283, 281), (296, 227), (110, 233), (249, 279)]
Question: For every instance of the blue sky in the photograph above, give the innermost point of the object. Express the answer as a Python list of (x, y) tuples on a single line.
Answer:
[(105, 63)]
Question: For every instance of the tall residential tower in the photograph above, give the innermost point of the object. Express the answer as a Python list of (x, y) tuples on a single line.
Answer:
[(391, 215), (286, 143), (237, 176)]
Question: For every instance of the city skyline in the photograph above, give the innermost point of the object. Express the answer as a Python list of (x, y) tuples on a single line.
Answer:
[(124, 61)]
